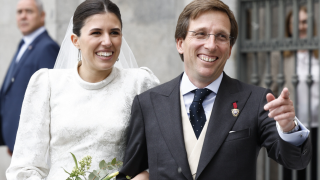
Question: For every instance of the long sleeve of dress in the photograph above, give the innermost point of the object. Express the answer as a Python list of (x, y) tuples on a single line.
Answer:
[(29, 160)]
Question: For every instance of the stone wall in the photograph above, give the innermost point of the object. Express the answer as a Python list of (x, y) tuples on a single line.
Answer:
[(149, 27)]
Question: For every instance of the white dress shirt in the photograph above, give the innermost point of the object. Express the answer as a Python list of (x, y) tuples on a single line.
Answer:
[(186, 86), (28, 39)]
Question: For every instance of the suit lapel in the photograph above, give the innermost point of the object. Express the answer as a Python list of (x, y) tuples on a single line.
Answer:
[(4, 90), (19, 65), (221, 120), (24, 57), (168, 113), (28, 51)]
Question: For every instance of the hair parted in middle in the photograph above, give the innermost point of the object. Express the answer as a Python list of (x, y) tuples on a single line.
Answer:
[(92, 7), (195, 9)]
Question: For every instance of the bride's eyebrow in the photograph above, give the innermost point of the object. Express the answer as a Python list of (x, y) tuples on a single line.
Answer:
[(99, 29), (95, 29), (115, 29)]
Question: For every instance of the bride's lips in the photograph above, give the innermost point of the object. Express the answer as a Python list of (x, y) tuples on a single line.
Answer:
[(207, 58), (104, 54)]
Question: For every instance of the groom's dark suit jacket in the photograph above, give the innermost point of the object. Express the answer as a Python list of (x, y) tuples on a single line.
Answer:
[(155, 136)]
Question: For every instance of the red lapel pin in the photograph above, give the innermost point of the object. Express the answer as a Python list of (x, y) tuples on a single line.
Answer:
[(235, 111)]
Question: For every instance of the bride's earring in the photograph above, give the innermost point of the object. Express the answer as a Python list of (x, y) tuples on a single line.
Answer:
[(79, 55), (118, 59)]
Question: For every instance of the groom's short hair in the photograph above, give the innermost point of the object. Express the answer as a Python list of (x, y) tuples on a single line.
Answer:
[(195, 9)]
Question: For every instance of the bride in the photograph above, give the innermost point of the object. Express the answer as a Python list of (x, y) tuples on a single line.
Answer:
[(84, 110)]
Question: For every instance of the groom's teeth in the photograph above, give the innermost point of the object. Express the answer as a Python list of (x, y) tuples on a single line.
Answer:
[(205, 58), (105, 54)]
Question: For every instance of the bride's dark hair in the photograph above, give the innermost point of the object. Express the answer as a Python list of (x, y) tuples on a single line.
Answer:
[(92, 7)]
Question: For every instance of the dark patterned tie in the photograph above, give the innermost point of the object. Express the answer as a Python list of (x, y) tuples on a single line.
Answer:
[(197, 115)]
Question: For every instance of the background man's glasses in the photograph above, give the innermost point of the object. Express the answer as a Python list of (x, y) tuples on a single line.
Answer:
[(219, 38)]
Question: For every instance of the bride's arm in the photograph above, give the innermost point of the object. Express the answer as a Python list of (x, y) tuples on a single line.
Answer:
[(142, 176), (33, 136)]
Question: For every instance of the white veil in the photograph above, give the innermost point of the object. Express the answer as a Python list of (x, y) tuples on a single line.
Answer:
[(68, 54)]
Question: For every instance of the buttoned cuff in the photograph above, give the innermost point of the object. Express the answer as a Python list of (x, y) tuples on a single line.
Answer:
[(295, 138)]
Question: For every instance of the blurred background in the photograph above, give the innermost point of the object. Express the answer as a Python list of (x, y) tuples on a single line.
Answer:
[(148, 26)]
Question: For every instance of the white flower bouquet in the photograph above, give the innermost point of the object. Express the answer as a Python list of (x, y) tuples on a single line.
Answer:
[(82, 167)]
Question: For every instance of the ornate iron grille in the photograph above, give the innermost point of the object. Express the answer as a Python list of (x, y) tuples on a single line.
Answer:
[(262, 44)]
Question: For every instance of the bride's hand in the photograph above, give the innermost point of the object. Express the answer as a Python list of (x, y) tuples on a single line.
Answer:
[(142, 176)]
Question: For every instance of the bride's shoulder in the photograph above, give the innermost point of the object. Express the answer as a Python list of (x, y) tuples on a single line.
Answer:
[(45, 74), (142, 73), (59, 72), (140, 78)]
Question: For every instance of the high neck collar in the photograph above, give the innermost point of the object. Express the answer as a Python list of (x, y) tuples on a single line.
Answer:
[(97, 85)]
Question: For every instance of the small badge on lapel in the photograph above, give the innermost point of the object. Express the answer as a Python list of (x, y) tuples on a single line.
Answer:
[(30, 47), (235, 111)]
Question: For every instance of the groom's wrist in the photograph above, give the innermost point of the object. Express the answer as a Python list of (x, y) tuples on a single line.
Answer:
[(295, 127)]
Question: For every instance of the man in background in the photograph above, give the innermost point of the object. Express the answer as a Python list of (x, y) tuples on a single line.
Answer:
[(36, 50)]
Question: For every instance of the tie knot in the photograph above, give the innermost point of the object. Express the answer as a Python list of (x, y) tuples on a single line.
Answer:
[(201, 94)]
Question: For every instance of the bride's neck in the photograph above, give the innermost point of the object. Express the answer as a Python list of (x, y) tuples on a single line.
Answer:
[(92, 76)]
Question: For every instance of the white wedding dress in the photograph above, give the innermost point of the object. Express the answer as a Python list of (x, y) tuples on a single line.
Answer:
[(61, 113)]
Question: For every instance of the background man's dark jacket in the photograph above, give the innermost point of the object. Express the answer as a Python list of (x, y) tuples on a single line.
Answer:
[(41, 53)]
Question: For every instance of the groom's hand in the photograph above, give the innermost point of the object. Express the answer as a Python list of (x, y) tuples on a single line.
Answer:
[(281, 110)]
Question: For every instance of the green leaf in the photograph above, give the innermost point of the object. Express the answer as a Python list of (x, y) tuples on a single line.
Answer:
[(66, 171), (75, 160), (119, 164), (92, 176), (128, 177), (96, 173), (104, 173), (103, 165), (69, 178), (78, 178), (114, 161), (110, 167)]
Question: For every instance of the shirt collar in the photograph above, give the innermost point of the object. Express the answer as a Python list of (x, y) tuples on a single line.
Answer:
[(186, 85), (28, 39)]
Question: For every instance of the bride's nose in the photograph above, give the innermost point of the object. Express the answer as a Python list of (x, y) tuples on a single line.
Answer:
[(106, 41)]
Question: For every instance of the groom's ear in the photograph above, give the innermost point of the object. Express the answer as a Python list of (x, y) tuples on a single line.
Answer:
[(179, 45), (75, 41)]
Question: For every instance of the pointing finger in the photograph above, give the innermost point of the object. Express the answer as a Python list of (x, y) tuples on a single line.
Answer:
[(285, 93), (270, 97)]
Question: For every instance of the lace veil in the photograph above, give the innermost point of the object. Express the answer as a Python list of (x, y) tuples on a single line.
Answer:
[(68, 54)]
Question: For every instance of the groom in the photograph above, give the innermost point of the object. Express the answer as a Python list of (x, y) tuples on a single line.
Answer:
[(203, 124)]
